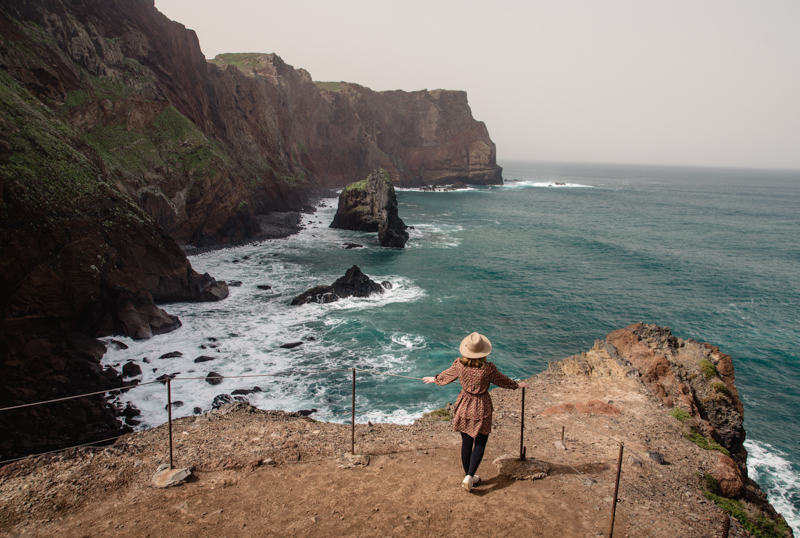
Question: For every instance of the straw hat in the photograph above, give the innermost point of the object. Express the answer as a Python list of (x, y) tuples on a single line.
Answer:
[(475, 346)]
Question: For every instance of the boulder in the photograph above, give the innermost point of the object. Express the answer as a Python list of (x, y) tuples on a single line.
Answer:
[(351, 461), (213, 378), (354, 283), (131, 369), (165, 477), (371, 206), (728, 476)]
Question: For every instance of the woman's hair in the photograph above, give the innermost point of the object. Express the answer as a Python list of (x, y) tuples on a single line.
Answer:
[(473, 363)]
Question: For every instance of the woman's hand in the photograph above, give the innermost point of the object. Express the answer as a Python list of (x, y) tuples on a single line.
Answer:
[(522, 385), (428, 380)]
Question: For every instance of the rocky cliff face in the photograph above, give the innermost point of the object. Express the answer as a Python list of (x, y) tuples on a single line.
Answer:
[(119, 142), (692, 378), (371, 206)]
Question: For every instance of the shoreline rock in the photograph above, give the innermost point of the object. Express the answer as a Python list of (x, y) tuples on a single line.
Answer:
[(354, 283), (371, 206)]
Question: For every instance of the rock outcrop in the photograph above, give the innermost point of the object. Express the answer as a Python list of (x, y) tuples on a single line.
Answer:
[(371, 206), (692, 378), (354, 283)]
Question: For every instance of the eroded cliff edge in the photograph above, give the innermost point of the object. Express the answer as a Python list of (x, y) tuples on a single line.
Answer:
[(239, 452)]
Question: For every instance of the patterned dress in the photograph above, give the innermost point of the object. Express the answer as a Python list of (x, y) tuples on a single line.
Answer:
[(473, 410)]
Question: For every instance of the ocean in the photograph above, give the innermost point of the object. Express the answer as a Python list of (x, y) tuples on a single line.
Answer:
[(560, 256)]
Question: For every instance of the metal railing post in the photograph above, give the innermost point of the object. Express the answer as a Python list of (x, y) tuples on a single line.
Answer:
[(522, 428), (616, 491), (353, 418), (169, 411)]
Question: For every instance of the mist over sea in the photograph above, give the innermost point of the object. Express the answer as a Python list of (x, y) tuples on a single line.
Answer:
[(542, 270)]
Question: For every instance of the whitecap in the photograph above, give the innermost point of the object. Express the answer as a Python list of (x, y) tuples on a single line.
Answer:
[(515, 184), (777, 476)]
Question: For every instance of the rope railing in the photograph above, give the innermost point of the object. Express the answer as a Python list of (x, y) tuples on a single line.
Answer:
[(168, 382)]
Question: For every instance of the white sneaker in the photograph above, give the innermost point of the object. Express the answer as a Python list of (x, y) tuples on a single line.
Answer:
[(467, 483), (475, 480)]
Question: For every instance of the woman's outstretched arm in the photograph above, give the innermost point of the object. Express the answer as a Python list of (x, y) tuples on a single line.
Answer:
[(448, 376)]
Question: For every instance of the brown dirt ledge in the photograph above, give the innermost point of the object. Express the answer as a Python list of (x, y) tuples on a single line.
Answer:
[(411, 486)]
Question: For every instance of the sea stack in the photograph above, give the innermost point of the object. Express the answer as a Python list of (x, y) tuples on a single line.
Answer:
[(371, 206)]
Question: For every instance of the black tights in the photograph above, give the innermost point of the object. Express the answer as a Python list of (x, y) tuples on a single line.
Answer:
[(472, 451)]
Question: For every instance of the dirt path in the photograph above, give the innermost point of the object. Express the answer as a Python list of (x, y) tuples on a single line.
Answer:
[(263, 473)]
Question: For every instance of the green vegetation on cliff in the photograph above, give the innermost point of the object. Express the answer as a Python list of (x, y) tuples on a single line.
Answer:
[(753, 521), (331, 86), (43, 167), (242, 60), (172, 142)]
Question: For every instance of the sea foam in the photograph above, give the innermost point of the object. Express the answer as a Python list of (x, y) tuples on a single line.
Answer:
[(778, 478)]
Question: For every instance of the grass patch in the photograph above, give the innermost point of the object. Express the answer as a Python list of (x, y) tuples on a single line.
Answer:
[(712, 486), (357, 186), (242, 60), (439, 414), (760, 526), (331, 86), (706, 443), (41, 159), (708, 368), (680, 414), (719, 387)]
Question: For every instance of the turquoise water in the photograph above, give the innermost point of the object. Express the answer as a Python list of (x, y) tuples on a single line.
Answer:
[(542, 271)]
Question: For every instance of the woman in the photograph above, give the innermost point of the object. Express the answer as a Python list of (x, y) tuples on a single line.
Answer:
[(472, 415)]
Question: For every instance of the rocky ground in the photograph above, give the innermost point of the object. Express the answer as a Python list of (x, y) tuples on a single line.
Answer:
[(270, 473)]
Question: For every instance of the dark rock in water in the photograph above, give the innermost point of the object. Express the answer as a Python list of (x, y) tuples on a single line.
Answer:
[(264, 287), (176, 403), (146, 360), (209, 346), (223, 399), (171, 355), (116, 344), (311, 339), (371, 206), (131, 369), (353, 284), (292, 345), (386, 284), (211, 339), (197, 411), (213, 378), (206, 288), (306, 412), (204, 358), (349, 246), (163, 378), (246, 391), (234, 283), (129, 411)]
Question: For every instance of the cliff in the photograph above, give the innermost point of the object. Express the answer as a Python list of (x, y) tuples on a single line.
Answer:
[(410, 482), (120, 143)]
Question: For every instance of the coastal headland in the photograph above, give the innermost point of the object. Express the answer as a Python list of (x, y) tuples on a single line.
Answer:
[(282, 474), (122, 147)]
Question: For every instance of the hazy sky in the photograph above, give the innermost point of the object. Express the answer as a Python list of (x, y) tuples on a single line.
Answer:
[(660, 82)]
